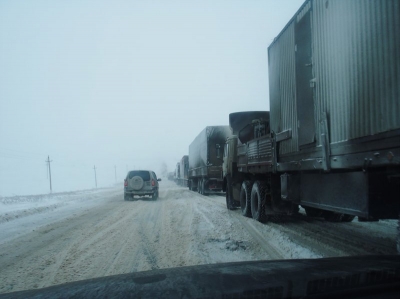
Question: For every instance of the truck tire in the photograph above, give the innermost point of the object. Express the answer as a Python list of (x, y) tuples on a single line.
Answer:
[(245, 196), (230, 204), (203, 188), (126, 197), (199, 186), (257, 199), (193, 185)]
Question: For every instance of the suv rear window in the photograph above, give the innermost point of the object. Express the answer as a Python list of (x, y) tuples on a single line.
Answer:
[(145, 175)]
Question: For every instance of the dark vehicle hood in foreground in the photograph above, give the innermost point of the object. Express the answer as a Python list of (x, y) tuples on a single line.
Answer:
[(345, 277)]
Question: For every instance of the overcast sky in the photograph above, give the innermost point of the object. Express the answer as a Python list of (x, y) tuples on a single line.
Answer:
[(123, 83)]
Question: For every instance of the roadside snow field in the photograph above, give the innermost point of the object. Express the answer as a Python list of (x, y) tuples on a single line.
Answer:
[(52, 239)]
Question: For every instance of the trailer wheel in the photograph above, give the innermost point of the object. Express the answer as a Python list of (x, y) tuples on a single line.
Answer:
[(203, 187), (257, 196), (192, 186), (199, 186), (230, 204), (245, 196)]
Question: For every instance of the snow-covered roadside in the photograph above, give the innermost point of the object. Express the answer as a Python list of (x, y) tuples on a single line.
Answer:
[(22, 214), (96, 233), (304, 237), (19, 206)]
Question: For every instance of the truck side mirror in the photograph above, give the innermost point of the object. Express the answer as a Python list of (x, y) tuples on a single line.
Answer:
[(218, 147)]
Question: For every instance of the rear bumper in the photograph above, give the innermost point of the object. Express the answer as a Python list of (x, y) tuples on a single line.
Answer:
[(215, 185), (140, 192)]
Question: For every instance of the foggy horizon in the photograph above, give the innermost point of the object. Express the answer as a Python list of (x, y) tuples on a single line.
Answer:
[(125, 84)]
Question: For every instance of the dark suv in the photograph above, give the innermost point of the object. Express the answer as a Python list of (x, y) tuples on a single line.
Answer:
[(141, 183)]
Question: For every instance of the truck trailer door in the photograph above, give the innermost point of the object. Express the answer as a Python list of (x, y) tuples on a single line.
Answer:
[(304, 75)]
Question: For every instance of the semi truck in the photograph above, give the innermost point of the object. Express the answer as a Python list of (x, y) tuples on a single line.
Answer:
[(177, 173), (183, 171), (331, 140), (205, 159)]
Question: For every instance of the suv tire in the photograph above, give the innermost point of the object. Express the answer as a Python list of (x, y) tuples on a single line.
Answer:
[(136, 183)]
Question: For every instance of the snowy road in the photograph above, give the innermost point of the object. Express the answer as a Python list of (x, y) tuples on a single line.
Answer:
[(47, 240)]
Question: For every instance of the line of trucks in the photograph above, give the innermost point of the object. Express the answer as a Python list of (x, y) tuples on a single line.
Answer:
[(331, 140)]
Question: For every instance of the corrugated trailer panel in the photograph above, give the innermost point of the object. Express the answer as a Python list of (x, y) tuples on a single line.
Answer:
[(356, 55), (282, 88), (355, 48)]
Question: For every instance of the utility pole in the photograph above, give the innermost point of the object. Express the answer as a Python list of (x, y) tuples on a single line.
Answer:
[(95, 177), (48, 163), (115, 168)]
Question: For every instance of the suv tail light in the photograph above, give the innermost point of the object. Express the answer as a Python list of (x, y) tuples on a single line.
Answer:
[(125, 183), (153, 183)]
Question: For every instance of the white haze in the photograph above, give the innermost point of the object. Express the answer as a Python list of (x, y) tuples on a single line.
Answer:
[(125, 84)]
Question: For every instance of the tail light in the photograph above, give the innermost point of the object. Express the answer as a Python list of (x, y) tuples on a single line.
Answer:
[(153, 183), (125, 183)]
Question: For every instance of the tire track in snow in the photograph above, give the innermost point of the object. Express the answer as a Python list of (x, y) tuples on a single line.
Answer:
[(181, 228), (331, 239), (249, 227), (150, 218), (336, 239), (258, 237)]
